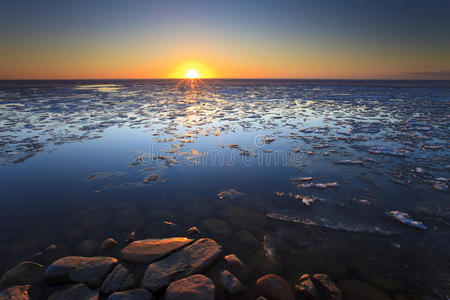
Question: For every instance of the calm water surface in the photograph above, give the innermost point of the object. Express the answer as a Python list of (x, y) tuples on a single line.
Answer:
[(292, 176)]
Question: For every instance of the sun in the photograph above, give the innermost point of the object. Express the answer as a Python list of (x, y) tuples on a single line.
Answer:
[(192, 74)]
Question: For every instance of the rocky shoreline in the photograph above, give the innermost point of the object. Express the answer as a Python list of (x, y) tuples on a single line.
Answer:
[(169, 268)]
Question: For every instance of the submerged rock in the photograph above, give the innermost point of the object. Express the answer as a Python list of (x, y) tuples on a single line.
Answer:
[(217, 226), (355, 290), (147, 251), (75, 292), (273, 287), (195, 287), (245, 218), (191, 259), (119, 279), (136, 294), (89, 270), (327, 286), (19, 292), (247, 238), (88, 247), (25, 272), (108, 244)]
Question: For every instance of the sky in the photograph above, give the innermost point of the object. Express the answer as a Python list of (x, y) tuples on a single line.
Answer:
[(361, 39)]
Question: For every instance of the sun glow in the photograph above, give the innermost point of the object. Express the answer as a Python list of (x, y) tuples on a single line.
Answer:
[(192, 74)]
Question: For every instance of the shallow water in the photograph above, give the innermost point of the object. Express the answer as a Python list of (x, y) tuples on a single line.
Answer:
[(97, 159)]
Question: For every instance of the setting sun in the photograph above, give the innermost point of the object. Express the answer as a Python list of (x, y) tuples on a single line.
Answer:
[(192, 74)]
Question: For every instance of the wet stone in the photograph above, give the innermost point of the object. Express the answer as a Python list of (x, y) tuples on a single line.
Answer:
[(195, 287), (147, 251), (25, 272), (89, 270), (274, 287), (193, 258), (108, 244), (75, 292), (136, 294), (230, 284), (305, 287), (193, 230), (119, 279)]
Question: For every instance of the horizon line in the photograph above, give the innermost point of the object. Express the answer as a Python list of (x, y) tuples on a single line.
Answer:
[(226, 78)]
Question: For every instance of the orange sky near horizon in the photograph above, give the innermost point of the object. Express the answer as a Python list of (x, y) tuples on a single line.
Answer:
[(254, 39)]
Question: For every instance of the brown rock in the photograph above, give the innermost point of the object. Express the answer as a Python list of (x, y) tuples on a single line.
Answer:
[(147, 251), (195, 287), (75, 292), (327, 286), (273, 287), (192, 259)]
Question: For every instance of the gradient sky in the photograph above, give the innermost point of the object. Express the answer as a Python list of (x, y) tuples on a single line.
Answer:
[(228, 39)]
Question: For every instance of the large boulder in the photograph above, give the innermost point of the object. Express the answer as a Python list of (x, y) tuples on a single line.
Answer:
[(25, 272), (273, 287), (147, 251), (19, 292), (192, 259), (137, 294), (75, 292), (119, 279), (195, 287), (327, 286), (89, 270)]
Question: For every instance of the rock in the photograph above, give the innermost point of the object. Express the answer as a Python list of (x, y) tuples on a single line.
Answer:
[(192, 259), (108, 244), (305, 287), (233, 262), (354, 289), (89, 270), (327, 286), (147, 251), (137, 294), (119, 279), (247, 238), (25, 272), (230, 284), (245, 218), (273, 287), (193, 230), (217, 226), (195, 287), (385, 283), (50, 248), (261, 298), (88, 247), (131, 237), (75, 292), (19, 292)]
